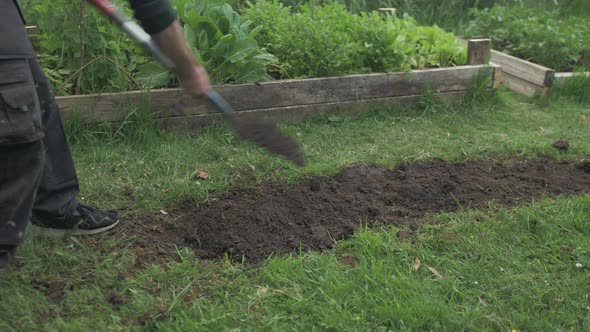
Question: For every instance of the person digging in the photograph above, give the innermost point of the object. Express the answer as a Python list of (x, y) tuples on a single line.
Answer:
[(38, 180)]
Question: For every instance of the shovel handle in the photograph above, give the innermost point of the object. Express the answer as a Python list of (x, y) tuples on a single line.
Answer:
[(220, 103)]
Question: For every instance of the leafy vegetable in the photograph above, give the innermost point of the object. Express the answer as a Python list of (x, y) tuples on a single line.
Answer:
[(328, 40), (223, 41), (538, 36)]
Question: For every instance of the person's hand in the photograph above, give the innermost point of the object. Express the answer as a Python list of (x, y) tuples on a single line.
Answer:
[(192, 75), (195, 81)]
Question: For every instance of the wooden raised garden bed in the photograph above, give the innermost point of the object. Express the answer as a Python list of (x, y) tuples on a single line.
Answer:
[(525, 77), (286, 100), (528, 78), (521, 76), (282, 100)]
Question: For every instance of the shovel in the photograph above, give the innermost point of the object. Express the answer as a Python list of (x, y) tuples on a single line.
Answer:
[(262, 132)]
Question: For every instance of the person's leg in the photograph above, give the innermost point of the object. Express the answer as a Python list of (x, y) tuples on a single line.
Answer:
[(20, 170), (56, 210), (59, 185), (21, 152)]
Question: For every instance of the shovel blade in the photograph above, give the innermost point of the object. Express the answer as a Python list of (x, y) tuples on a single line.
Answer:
[(266, 134)]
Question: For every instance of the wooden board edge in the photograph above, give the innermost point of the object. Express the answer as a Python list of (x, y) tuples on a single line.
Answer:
[(497, 77), (105, 107), (31, 29), (525, 70), (194, 123), (564, 76), (523, 87)]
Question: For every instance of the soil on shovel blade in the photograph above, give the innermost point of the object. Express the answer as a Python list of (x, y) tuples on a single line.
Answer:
[(277, 218)]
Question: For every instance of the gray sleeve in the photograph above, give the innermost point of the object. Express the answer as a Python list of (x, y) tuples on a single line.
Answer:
[(153, 15)]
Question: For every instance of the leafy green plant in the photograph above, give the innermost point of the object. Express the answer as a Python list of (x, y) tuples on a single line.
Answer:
[(536, 35), (112, 56), (222, 40), (450, 14), (328, 40)]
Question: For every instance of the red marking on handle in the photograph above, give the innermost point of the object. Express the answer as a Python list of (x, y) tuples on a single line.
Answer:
[(104, 5)]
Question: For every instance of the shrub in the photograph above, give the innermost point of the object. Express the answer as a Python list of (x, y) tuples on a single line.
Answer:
[(538, 36), (328, 40)]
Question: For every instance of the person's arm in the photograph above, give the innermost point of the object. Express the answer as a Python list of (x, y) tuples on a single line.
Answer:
[(158, 19), (192, 75)]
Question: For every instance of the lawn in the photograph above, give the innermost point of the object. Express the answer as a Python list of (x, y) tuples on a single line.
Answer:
[(494, 267)]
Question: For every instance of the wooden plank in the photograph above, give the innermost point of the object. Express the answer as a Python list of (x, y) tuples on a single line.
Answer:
[(498, 77), (524, 70), (388, 10), (478, 51), (523, 87), (31, 29), (273, 94), (564, 76), (32, 33), (194, 123)]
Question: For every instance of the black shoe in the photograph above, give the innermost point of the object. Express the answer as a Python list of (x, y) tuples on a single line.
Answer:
[(84, 220), (6, 255)]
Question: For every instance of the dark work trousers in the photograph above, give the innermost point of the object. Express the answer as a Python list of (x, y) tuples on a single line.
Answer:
[(36, 168)]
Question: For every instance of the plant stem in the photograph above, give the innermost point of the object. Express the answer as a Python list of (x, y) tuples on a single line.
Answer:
[(128, 74), (82, 10)]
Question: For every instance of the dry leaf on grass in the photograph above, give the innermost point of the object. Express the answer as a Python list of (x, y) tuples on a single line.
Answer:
[(262, 290), (435, 272), (417, 264), (200, 174)]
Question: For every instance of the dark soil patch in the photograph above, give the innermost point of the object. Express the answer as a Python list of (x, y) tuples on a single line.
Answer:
[(117, 299), (561, 145), (276, 218)]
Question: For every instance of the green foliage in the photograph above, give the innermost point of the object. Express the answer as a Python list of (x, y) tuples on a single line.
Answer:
[(450, 14), (328, 40), (536, 35), (223, 41), (58, 24), (219, 37)]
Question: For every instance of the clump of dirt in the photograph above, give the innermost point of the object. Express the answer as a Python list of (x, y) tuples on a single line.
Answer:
[(117, 299), (585, 166), (55, 290), (276, 218), (561, 145)]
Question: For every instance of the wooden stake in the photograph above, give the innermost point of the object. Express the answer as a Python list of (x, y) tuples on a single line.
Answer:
[(32, 33), (387, 10), (478, 51)]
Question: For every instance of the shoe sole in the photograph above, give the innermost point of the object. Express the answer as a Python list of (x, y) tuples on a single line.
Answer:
[(55, 232)]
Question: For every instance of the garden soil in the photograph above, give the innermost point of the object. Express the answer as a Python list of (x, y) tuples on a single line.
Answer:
[(275, 218)]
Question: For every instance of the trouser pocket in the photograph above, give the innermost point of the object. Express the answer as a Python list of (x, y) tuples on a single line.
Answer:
[(20, 114)]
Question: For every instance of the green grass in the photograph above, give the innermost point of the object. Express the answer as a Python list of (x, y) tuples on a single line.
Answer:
[(576, 88), (513, 269)]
